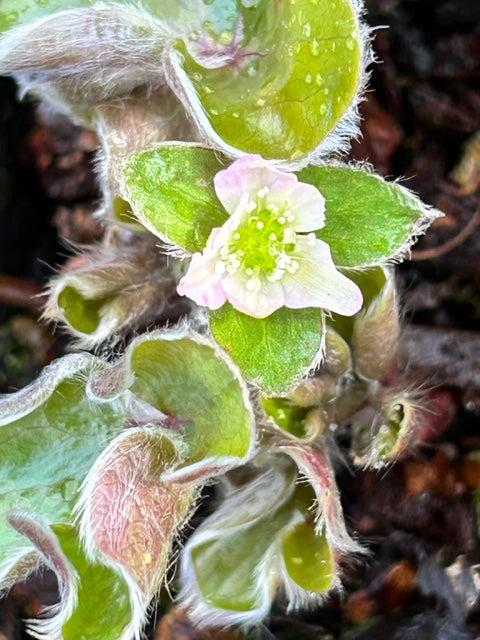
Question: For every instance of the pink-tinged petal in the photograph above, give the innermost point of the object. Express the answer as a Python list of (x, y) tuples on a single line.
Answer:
[(222, 236), (202, 283), (317, 283), (304, 201), (246, 175), (258, 304)]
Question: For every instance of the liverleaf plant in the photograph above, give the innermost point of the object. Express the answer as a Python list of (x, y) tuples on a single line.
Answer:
[(224, 199)]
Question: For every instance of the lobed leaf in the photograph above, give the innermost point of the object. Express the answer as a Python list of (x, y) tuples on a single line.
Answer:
[(368, 220), (101, 591), (47, 452), (308, 558), (268, 77), (170, 189), (88, 592), (237, 558), (273, 352), (186, 377), (128, 512)]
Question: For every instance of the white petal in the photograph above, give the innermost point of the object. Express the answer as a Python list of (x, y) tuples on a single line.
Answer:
[(304, 201), (317, 283), (258, 304), (248, 174), (202, 283)]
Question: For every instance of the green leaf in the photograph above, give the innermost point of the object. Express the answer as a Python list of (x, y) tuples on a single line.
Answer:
[(47, 453), (290, 78), (171, 192), (83, 314), (229, 561), (15, 12), (308, 557), (103, 609), (227, 568), (187, 378), (232, 565), (287, 415), (274, 351), (368, 220)]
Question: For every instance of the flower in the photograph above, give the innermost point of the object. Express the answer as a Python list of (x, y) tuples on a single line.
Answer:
[(267, 255)]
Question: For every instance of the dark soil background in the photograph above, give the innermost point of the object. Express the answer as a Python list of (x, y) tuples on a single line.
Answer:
[(420, 518)]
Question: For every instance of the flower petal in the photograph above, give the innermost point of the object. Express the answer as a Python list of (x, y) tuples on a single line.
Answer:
[(304, 200), (317, 283), (259, 303), (248, 174), (202, 283)]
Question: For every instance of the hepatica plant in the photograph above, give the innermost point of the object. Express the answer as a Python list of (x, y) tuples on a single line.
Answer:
[(249, 272)]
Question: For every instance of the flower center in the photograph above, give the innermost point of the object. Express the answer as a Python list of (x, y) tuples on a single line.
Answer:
[(262, 244)]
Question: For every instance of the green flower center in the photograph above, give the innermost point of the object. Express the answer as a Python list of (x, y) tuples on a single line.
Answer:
[(261, 246)]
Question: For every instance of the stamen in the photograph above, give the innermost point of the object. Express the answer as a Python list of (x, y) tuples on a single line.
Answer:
[(288, 235), (254, 284), (292, 266), (311, 238), (261, 193), (259, 225)]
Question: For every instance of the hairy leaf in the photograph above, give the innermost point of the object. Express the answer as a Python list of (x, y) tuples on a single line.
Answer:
[(272, 77), (274, 352), (308, 557), (131, 514), (103, 609), (187, 378), (47, 452), (170, 189), (368, 220)]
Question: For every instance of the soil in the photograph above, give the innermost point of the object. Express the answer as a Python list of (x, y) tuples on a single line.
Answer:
[(421, 122)]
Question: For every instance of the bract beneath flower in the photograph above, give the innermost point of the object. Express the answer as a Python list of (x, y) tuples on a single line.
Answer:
[(267, 255)]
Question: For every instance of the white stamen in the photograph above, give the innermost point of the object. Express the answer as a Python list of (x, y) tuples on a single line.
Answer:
[(220, 268), (311, 238), (292, 266), (282, 219), (290, 217), (236, 236), (261, 193), (254, 284), (251, 206), (288, 235), (259, 225)]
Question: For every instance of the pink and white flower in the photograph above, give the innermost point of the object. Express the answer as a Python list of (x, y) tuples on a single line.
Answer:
[(267, 255)]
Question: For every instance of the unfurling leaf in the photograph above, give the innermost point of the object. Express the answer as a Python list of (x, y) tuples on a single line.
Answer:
[(128, 512), (234, 563), (116, 288)]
